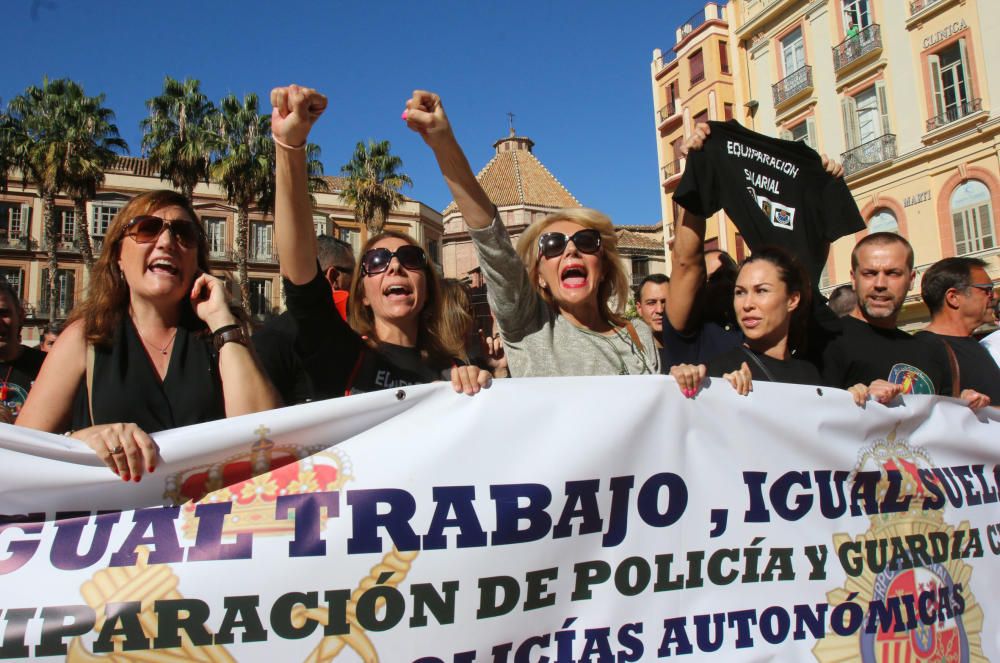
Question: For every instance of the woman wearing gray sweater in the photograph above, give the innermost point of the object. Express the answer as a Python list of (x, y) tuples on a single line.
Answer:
[(558, 298)]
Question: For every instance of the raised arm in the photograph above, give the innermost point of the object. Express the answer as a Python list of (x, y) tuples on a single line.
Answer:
[(295, 110), (687, 257), (425, 115)]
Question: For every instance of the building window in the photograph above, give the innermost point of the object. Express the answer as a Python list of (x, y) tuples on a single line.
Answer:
[(793, 52), (696, 64), (351, 237), (701, 118), (101, 219), (434, 250), (260, 297), (857, 12), (724, 57), (215, 232), (883, 221), (17, 217), (803, 132), (972, 218), (261, 235), (951, 87), (319, 224), (15, 277), (65, 284), (727, 111), (673, 98), (866, 116), (67, 225), (640, 269)]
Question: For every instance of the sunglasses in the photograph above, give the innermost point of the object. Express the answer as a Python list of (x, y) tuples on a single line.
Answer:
[(988, 288), (551, 245), (146, 229), (376, 261)]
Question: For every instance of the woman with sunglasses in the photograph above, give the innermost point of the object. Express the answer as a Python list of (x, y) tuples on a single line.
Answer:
[(399, 336), (772, 302), (559, 297), (154, 346)]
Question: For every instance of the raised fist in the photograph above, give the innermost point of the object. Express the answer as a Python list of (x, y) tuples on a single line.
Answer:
[(425, 115), (295, 110)]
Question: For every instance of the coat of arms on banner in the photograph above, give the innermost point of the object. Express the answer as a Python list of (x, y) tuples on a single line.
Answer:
[(252, 483), (928, 589)]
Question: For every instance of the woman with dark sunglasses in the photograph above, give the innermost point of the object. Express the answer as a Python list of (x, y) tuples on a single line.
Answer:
[(559, 298), (399, 337), (154, 346)]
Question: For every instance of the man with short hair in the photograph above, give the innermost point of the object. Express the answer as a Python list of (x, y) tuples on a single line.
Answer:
[(50, 333), (19, 364), (651, 303), (958, 293), (276, 342), (842, 300), (869, 354)]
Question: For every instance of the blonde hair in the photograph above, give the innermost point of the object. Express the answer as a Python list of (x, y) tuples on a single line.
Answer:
[(614, 286), (456, 305), (433, 339)]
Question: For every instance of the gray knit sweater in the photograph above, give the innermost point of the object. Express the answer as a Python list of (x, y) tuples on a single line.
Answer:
[(539, 341)]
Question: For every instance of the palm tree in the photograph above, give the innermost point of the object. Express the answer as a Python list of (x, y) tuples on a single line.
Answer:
[(41, 152), (93, 139), (373, 184), (245, 169), (179, 135), (8, 147)]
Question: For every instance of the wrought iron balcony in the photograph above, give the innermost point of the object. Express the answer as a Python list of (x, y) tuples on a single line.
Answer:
[(262, 255), (955, 113), (668, 111), (671, 169), (19, 242), (917, 6), (799, 80), (854, 48), (869, 154)]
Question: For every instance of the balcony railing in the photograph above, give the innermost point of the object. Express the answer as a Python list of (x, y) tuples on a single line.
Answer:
[(789, 86), (21, 242), (667, 111), (262, 255), (671, 169), (869, 154), (917, 6), (854, 48), (955, 113)]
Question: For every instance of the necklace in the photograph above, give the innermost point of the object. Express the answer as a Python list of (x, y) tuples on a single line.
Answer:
[(162, 350)]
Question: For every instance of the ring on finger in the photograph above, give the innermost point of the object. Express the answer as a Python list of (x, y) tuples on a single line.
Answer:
[(117, 450)]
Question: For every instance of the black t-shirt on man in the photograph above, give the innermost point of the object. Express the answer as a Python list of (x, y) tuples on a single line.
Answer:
[(789, 371), (16, 378), (775, 191), (976, 367), (861, 353), (339, 361)]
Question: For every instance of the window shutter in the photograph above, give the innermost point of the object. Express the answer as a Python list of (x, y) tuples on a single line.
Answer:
[(811, 133), (934, 62), (70, 297), (958, 224), (25, 218), (883, 107), (852, 133), (965, 83)]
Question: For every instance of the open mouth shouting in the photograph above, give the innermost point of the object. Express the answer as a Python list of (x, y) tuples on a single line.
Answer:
[(397, 291), (573, 276), (164, 267)]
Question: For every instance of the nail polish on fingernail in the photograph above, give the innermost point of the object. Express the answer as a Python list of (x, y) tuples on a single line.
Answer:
[(150, 470), (405, 113), (125, 477)]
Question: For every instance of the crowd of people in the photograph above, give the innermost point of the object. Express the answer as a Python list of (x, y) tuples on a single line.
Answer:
[(155, 345)]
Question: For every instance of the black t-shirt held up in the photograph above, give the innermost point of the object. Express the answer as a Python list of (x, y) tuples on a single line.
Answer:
[(775, 191)]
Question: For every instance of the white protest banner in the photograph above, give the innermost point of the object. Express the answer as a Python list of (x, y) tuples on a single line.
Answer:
[(555, 520)]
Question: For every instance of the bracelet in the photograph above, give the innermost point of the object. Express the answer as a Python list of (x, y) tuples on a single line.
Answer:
[(296, 148), (228, 334)]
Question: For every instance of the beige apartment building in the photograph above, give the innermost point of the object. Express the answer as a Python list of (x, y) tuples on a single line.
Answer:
[(901, 92), (23, 248)]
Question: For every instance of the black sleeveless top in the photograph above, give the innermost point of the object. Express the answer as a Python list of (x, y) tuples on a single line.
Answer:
[(127, 388)]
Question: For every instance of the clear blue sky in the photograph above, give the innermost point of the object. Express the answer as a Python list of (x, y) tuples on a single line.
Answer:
[(575, 74)]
